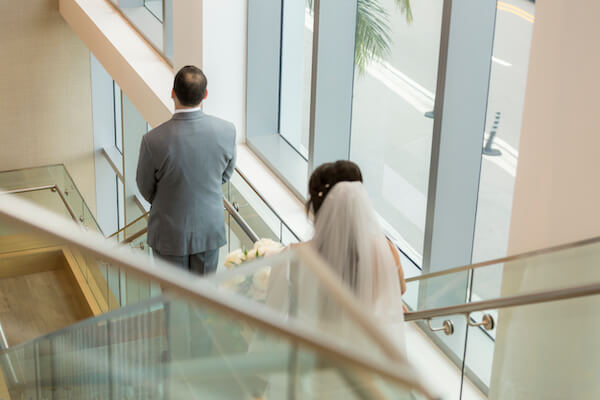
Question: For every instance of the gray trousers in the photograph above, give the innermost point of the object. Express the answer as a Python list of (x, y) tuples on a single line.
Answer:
[(199, 263)]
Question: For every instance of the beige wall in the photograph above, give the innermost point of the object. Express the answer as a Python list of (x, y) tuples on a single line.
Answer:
[(45, 93), (550, 351), (557, 190)]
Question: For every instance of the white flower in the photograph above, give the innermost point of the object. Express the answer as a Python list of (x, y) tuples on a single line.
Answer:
[(263, 247), (235, 258), (267, 247), (260, 280)]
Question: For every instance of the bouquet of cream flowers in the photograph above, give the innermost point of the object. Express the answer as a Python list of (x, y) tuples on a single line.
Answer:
[(262, 248), (254, 285)]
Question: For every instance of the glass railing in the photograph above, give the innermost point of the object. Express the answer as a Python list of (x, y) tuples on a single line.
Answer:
[(200, 339), (257, 211), (248, 217), (519, 322), (53, 184)]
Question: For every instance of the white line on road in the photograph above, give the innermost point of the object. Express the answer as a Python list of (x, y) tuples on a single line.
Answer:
[(501, 62)]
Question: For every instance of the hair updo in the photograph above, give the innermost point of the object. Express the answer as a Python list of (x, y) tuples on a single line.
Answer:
[(325, 177)]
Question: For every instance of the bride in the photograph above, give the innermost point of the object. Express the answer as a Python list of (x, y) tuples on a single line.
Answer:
[(349, 237)]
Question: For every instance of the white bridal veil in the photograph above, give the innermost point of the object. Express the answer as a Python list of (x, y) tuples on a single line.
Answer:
[(348, 236)]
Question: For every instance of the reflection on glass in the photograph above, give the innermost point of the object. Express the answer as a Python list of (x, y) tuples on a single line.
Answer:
[(177, 349), (150, 18), (155, 7), (66, 191), (559, 338), (257, 213), (134, 127), (118, 110), (296, 64), (211, 342), (295, 290), (551, 271), (397, 46), (512, 41)]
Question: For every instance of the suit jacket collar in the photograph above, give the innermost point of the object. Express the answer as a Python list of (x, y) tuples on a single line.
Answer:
[(189, 115)]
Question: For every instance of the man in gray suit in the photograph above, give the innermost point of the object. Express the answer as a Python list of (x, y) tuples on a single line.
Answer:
[(181, 168)]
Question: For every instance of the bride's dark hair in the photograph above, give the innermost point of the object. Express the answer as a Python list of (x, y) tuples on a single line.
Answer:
[(325, 177)]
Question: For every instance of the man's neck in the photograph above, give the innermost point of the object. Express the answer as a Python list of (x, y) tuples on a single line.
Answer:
[(184, 109), (177, 108)]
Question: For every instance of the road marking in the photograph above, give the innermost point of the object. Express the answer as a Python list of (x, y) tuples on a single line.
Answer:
[(516, 11), (501, 62)]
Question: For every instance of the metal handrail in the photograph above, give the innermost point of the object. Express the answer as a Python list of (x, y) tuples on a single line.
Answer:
[(53, 188), (200, 290), (145, 215), (505, 302), (548, 250), (260, 196), (228, 206), (240, 221)]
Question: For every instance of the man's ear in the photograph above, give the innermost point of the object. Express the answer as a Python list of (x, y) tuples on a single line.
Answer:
[(205, 94), (173, 94)]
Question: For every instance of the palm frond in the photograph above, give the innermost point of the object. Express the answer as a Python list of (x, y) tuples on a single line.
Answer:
[(373, 30), (404, 6), (372, 33)]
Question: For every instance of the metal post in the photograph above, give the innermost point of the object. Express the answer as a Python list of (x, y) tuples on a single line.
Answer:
[(487, 149)]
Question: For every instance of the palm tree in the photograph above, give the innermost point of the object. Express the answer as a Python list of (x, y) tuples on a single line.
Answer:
[(373, 30)]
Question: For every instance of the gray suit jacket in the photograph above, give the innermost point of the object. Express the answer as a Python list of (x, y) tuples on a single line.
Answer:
[(181, 168)]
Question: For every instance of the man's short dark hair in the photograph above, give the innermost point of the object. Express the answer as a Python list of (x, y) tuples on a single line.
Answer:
[(190, 85)]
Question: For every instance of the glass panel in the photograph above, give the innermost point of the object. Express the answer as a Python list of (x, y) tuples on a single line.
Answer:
[(541, 337), (296, 68), (48, 199), (256, 212), (147, 16), (134, 127), (169, 347), (490, 281), (176, 349), (397, 47), (238, 239), (512, 41), (253, 210), (554, 270), (48, 176), (118, 118), (295, 289), (547, 337), (155, 7), (287, 236), (279, 83)]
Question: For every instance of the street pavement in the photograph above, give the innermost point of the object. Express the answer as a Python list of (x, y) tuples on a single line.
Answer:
[(391, 138)]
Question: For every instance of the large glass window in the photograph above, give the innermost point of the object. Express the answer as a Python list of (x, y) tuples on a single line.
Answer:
[(296, 64), (278, 87), (153, 19), (397, 47), (512, 42), (108, 140)]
